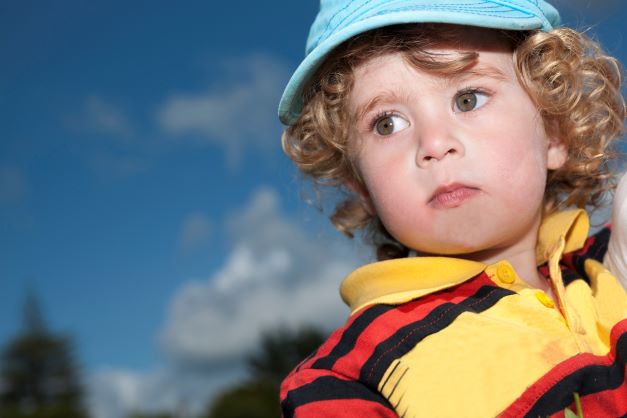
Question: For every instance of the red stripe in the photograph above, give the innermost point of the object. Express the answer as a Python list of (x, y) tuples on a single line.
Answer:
[(528, 399), (345, 408), (330, 343), (609, 403), (383, 327), (568, 258), (302, 378), (388, 324)]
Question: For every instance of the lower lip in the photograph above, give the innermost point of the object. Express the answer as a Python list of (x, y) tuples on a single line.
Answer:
[(453, 198)]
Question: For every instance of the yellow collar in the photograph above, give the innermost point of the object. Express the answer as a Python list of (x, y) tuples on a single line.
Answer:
[(401, 280)]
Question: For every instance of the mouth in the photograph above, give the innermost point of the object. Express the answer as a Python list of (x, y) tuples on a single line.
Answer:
[(451, 196)]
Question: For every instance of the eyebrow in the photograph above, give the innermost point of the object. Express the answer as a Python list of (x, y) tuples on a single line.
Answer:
[(386, 96), (478, 71)]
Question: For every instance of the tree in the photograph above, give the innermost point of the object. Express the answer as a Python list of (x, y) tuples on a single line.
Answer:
[(257, 398), (151, 415), (39, 376), (279, 352)]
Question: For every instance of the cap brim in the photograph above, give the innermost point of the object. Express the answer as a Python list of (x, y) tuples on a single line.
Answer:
[(291, 104)]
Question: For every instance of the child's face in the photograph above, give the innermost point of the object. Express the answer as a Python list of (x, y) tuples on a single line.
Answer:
[(453, 165)]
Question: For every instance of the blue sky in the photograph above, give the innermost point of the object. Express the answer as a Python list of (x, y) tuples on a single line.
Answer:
[(99, 188), (143, 192)]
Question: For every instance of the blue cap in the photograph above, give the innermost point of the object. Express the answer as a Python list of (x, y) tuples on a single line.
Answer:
[(340, 20)]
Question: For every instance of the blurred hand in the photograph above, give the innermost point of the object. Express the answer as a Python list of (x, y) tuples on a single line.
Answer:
[(616, 257)]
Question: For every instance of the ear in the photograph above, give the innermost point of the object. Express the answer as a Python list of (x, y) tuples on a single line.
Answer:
[(557, 149), (557, 153)]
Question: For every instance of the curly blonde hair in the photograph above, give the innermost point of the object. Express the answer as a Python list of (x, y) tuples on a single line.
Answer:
[(574, 84)]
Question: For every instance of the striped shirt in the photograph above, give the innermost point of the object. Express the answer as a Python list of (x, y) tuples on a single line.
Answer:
[(444, 337)]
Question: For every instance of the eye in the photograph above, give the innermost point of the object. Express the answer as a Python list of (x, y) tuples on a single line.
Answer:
[(468, 100), (389, 124)]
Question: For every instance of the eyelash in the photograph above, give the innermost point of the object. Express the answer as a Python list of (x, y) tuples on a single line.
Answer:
[(470, 89), (475, 90), (387, 113), (378, 116)]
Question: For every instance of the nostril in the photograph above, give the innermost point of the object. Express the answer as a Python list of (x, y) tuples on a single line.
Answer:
[(436, 154)]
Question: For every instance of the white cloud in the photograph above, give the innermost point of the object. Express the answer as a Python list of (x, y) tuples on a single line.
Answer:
[(98, 116), (109, 140), (236, 114), (113, 393), (195, 232), (13, 185), (277, 274)]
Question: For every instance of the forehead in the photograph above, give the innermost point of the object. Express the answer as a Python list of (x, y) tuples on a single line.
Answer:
[(442, 49), (446, 51), (409, 36), (446, 59), (471, 38)]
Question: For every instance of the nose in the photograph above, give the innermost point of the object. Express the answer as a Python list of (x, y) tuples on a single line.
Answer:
[(437, 143)]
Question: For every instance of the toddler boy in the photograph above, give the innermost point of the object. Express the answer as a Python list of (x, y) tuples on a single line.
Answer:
[(462, 130)]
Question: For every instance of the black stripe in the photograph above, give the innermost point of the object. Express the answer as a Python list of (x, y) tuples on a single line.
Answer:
[(596, 251), (387, 379), (439, 318), (599, 246), (585, 381), (350, 335), (395, 386), (329, 388), (569, 276), (305, 360)]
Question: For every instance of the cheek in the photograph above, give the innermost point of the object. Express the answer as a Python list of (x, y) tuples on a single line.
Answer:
[(521, 167), (379, 173), (395, 196), (400, 205)]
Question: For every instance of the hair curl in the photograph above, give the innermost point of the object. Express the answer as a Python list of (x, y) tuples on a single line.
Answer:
[(574, 84)]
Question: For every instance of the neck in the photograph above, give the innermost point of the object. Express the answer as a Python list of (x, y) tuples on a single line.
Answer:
[(521, 255)]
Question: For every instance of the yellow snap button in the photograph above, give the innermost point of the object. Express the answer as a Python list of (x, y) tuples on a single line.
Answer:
[(545, 299), (505, 273)]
